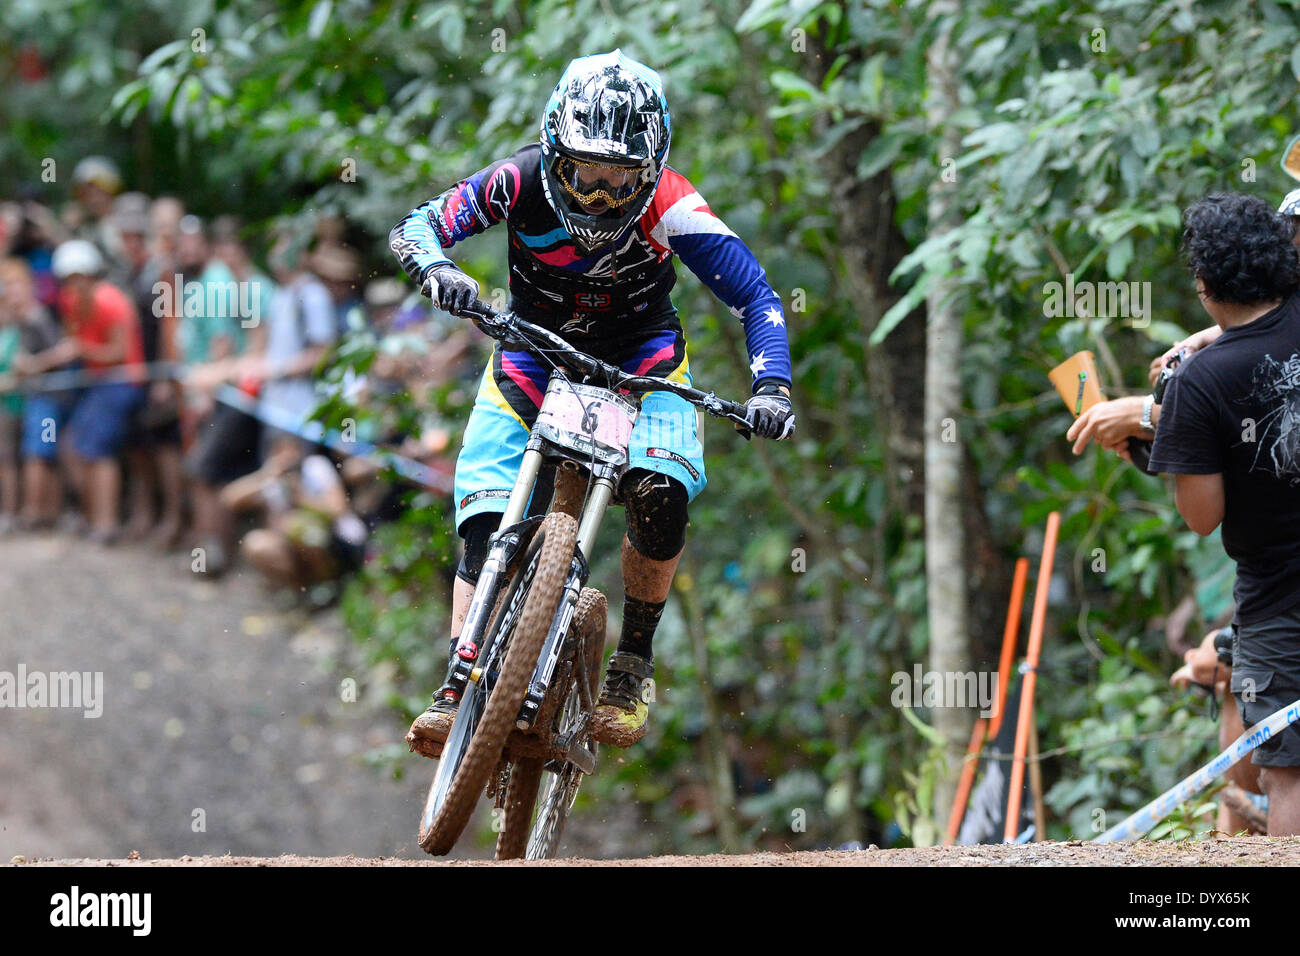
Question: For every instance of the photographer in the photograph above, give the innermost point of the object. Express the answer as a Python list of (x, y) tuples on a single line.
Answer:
[(1230, 432), (1111, 424)]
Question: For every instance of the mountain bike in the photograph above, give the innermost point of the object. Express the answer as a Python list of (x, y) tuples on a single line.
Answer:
[(531, 649)]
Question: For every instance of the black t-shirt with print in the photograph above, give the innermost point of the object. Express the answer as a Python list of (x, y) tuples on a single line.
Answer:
[(1233, 408)]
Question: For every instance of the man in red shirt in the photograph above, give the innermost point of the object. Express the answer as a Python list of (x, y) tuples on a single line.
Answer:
[(102, 335)]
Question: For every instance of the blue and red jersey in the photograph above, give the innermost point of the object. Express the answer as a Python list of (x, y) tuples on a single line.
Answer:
[(611, 293)]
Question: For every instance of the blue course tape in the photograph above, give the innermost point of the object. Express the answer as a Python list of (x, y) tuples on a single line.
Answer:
[(1145, 819)]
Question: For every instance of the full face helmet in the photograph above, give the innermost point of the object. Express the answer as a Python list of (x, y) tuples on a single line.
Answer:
[(604, 137)]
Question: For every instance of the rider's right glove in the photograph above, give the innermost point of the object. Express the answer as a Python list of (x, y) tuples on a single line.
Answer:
[(449, 288), (770, 413)]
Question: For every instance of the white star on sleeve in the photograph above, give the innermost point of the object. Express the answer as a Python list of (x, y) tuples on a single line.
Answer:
[(759, 364), (774, 316), (738, 313)]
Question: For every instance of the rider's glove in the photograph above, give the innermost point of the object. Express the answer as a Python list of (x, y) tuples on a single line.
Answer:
[(770, 413), (449, 288)]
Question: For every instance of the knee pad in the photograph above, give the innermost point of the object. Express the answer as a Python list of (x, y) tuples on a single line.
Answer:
[(656, 513), (476, 531)]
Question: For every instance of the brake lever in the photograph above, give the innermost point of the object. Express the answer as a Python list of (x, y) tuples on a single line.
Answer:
[(717, 408), (496, 325)]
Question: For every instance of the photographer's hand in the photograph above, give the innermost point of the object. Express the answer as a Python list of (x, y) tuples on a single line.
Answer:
[(1193, 343), (1109, 424)]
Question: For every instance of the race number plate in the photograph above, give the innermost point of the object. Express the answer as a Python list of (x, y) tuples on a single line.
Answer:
[(590, 420)]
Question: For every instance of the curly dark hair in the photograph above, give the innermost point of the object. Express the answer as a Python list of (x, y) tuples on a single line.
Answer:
[(1241, 249)]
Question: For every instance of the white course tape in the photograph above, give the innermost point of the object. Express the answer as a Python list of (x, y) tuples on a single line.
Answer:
[(1145, 819)]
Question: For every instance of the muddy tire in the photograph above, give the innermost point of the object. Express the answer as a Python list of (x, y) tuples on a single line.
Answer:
[(521, 794), (542, 573), (517, 836), (558, 790)]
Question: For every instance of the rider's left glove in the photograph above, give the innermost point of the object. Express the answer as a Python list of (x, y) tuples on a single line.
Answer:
[(770, 413)]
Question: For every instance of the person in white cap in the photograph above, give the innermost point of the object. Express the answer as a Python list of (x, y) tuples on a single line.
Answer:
[(102, 333)]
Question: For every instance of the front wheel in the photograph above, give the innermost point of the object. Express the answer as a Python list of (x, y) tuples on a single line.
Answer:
[(479, 733)]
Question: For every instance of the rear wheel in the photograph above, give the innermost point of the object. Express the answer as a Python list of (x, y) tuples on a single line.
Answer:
[(558, 787), (530, 775), (486, 715)]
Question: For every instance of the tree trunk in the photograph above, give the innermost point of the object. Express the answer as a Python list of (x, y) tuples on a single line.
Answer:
[(944, 527)]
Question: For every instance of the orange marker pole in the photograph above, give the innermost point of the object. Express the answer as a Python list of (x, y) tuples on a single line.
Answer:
[(1009, 634), (964, 783), (1031, 673), (1009, 637)]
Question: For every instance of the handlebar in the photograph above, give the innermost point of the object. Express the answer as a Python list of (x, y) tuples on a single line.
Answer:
[(508, 327)]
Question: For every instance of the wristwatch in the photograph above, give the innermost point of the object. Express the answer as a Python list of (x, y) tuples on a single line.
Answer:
[(1145, 421)]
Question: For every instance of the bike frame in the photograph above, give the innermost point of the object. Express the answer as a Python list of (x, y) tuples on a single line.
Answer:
[(511, 535), (475, 666)]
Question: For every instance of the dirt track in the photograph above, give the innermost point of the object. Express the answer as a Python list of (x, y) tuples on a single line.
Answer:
[(1245, 851), (223, 726)]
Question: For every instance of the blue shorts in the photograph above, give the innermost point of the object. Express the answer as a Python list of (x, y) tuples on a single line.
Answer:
[(43, 418), (102, 418), (665, 439)]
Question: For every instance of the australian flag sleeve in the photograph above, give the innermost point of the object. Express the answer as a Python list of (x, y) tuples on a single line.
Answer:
[(471, 206), (687, 227)]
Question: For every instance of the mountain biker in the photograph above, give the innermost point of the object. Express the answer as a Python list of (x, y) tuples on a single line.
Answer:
[(594, 217)]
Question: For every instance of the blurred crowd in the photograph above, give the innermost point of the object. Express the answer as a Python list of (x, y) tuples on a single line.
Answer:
[(157, 384)]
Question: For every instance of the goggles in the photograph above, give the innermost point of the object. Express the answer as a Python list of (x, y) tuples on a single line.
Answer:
[(590, 183)]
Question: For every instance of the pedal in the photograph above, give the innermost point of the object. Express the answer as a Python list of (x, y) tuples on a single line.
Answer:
[(578, 755)]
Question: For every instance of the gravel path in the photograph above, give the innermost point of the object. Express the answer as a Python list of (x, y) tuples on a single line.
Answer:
[(223, 726), (1240, 851)]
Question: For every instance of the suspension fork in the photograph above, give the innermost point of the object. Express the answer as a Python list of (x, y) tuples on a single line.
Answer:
[(505, 543), (602, 493)]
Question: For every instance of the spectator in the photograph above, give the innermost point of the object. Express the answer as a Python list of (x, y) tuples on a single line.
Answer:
[(154, 450), (339, 269), (1230, 432), (33, 242), (103, 333), (95, 183), (11, 406), (256, 290), (1209, 665), (211, 336), (300, 331), (42, 412), (312, 535), (209, 329), (1289, 207)]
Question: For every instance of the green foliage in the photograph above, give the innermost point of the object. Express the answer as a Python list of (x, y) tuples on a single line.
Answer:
[(1193, 819), (914, 805), (1133, 742), (397, 607)]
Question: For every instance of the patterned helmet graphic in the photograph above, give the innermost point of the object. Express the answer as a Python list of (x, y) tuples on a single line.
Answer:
[(604, 137)]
